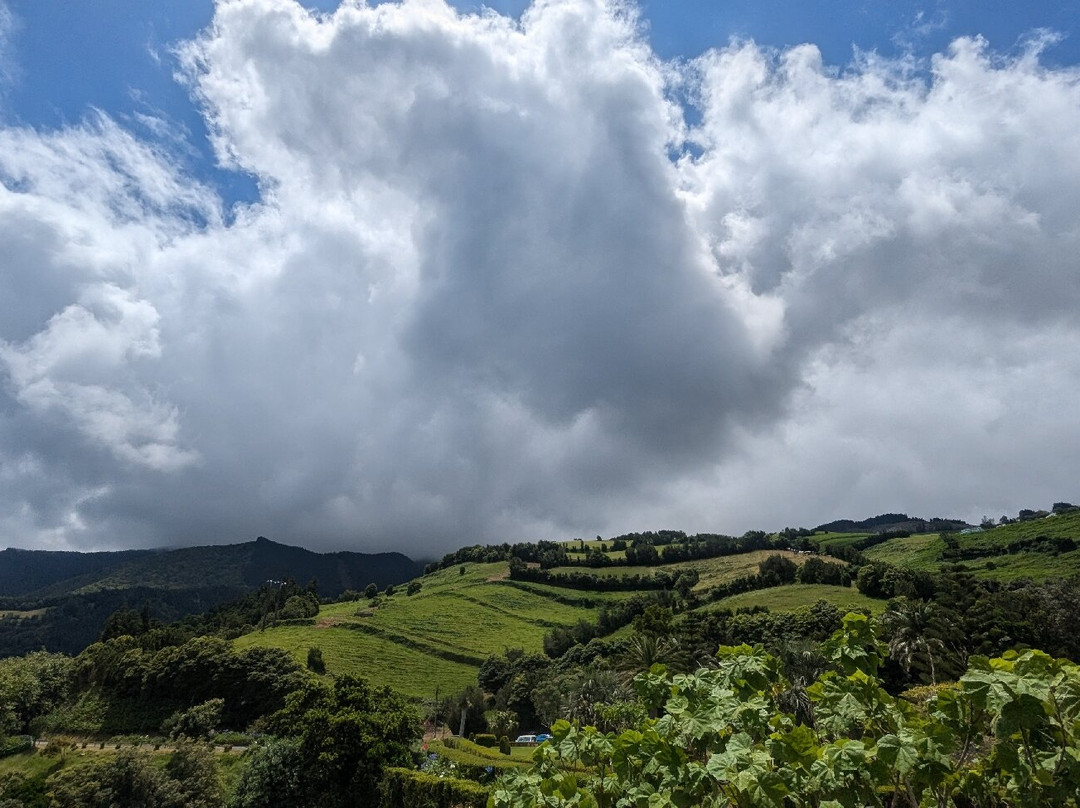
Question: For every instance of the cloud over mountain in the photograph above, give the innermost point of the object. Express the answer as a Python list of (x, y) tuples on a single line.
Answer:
[(501, 283)]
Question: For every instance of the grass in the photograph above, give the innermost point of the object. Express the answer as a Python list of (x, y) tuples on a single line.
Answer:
[(438, 636), (711, 571), (31, 764), (382, 661), (923, 551), (796, 596), (836, 540)]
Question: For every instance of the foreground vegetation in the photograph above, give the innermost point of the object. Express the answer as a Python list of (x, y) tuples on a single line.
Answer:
[(743, 734)]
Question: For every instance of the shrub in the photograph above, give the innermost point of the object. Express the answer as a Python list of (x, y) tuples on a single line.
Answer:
[(486, 739), (315, 660), (196, 722), (504, 745), (419, 790)]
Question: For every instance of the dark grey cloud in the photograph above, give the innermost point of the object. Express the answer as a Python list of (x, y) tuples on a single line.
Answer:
[(479, 298)]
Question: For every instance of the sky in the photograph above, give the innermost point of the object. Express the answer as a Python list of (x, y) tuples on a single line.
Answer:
[(417, 275)]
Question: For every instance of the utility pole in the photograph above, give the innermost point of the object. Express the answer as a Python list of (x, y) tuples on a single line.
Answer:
[(436, 711)]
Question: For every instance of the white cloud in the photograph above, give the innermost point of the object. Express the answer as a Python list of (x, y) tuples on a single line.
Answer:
[(479, 300)]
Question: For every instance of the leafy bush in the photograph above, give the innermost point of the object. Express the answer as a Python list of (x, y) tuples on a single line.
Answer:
[(199, 721), (1007, 735), (15, 745), (401, 787), (486, 739), (504, 745), (315, 661)]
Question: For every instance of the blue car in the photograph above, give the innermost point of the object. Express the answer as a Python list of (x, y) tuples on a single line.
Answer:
[(543, 736)]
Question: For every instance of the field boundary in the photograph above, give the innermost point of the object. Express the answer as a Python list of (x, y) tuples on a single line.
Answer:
[(415, 645)]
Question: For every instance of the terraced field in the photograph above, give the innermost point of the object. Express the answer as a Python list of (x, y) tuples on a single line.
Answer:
[(438, 636), (925, 551), (797, 596), (711, 571)]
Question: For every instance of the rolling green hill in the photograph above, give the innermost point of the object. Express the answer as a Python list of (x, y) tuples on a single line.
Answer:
[(440, 635), (1034, 549)]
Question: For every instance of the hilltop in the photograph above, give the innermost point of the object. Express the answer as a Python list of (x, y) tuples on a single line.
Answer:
[(60, 600)]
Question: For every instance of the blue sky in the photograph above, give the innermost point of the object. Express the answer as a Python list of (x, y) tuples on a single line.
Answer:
[(115, 54)]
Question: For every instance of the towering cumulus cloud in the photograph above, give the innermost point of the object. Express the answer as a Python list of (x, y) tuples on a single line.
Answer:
[(496, 285)]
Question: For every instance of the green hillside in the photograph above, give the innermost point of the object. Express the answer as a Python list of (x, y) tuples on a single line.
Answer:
[(797, 596), (711, 571), (1033, 549), (440, 635)]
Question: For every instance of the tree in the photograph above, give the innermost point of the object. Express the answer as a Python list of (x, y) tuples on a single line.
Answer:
[(413, 588), (196, 722), (276, 776), (465, 710), (370, 591), (910, 625), (315, 661), (194, 770), (128, 780), (501, 722), (348, 734), (642, 651), (778, 569)]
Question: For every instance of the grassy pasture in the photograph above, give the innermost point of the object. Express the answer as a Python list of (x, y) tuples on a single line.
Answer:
[(438, 636), (836, 540), (442, 633), (712, 571), (923, 551), (797, 596), (379, 660)]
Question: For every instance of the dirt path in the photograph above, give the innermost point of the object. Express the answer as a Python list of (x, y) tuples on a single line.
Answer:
[(98, 746)]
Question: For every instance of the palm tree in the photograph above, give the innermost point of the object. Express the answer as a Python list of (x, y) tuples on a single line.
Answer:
[(642, 651), (911, 624)]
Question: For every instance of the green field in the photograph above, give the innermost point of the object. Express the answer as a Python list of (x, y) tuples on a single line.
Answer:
[(384, 662), (924, 551), (836, 540), (711, 571), (797, 596), (438, 636)]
